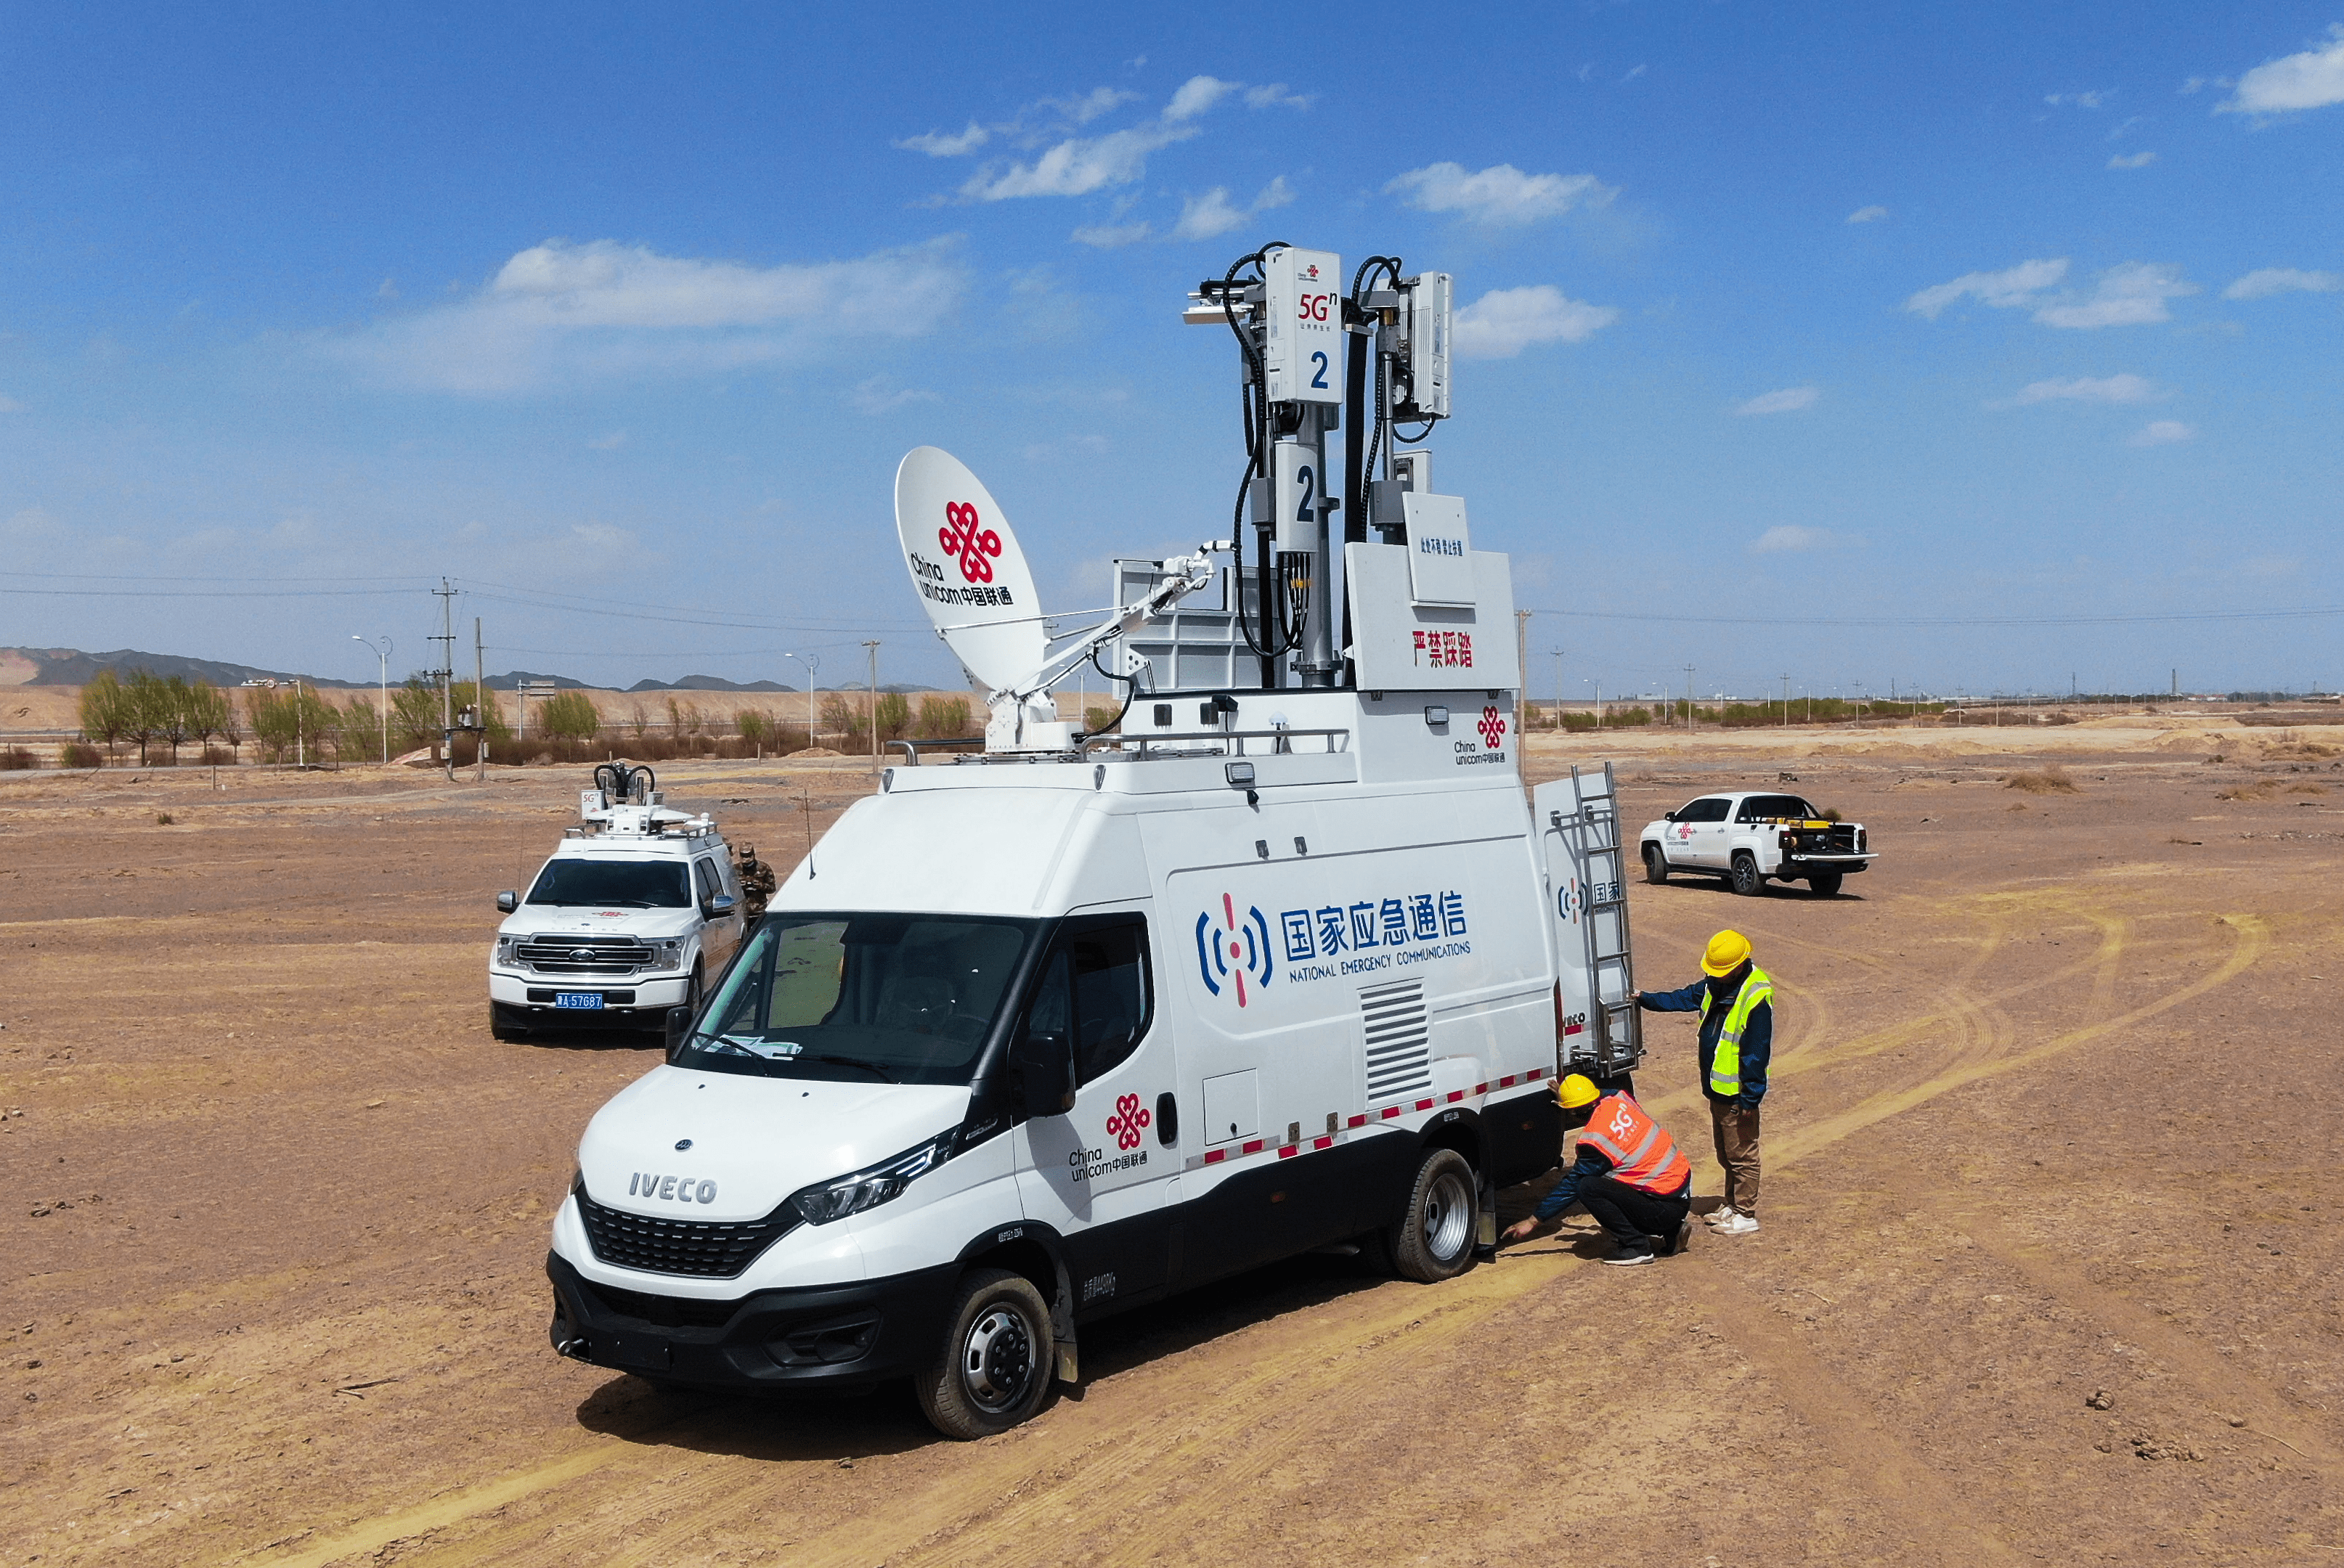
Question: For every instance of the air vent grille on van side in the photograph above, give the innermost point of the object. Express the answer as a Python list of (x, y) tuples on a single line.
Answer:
[(1399, 1038)]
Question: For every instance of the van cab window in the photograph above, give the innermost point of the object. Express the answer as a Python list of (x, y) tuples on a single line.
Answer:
[(1766, 808), (1094, 988), (1708, 809), (621, 884), (878, 997)]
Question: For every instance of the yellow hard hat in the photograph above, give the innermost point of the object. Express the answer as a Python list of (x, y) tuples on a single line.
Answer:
[(1576, 1090), (1728, 951)]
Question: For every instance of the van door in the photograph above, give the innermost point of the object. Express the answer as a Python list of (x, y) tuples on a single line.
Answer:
[(1098, 1174)]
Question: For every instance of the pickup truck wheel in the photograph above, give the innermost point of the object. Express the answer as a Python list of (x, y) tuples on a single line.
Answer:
[(1435, 1237), (1826, 883), (993, 1367), (1656, 864), (1745, 876)]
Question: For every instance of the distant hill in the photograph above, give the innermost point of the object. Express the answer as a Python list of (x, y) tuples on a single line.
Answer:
[(71, 667), (706, 683)]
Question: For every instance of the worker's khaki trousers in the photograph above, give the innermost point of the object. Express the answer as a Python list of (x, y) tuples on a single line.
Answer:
[(1736, 1128)]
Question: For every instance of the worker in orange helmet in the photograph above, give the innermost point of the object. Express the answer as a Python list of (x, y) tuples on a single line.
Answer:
[(1629, 1173), (1736, 1003)]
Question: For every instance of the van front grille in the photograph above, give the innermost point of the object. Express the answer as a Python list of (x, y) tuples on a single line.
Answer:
[(658, 1245)]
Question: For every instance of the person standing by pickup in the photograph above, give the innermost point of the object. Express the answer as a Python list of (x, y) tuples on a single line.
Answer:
[(1736, 1004)]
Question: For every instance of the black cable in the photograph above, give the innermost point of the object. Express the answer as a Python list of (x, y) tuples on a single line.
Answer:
[(1414, 441), (1130, 694), (1258, 445)]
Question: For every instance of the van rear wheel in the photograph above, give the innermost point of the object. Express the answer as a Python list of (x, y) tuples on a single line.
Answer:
[(993, 1367), (1434, 1239)]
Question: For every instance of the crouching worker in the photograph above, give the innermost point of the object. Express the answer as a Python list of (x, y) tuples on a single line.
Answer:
[(1629, 1173)]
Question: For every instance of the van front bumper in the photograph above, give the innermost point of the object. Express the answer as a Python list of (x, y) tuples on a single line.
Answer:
[(810, 1337)]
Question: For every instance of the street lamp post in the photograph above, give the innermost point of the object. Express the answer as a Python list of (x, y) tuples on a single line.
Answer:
[(812, 662), (383, 673)]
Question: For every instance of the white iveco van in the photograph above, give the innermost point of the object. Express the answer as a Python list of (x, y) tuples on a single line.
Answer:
[(1044, 1034)]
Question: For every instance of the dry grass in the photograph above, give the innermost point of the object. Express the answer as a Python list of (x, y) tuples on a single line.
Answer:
[(2051, 781), (2306, 788), (2258, 789)]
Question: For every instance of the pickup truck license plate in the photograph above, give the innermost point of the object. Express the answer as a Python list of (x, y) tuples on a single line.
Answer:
[(585, 999)]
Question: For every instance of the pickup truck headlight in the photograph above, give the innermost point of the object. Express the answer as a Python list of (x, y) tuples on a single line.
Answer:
[(668, 955), (505, 947), (873, 1185)]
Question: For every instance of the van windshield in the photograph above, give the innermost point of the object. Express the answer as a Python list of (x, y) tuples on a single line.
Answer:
[(882, 997), (626, 884)]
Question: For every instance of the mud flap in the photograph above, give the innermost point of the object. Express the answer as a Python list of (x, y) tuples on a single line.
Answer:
[(1485, 1233), (1066, 1366)]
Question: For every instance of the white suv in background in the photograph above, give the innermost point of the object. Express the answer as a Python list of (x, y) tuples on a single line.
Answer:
[(635, 913), (1750, 836)]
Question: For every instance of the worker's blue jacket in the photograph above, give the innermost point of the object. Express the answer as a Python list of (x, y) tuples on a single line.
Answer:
[(1757, 1035)]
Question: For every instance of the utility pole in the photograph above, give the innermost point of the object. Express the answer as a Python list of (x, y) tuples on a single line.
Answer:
[(2177, 686), (1786, 699), (1688, 697), (874, 645), (382, 674), (1522, 659), (300, 732), (445, 673), (1558, 689), (479, 707)]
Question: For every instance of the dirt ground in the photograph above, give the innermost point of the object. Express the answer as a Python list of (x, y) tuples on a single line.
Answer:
[(2047, 1272)]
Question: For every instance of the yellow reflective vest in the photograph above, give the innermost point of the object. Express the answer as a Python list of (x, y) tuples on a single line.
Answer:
[(1725, 1061)]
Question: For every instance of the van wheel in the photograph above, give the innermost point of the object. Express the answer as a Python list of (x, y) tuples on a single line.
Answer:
[(1745, 876), (1435, 1239), (499, 1030), (1826, 883), (994, 1368), (1656, 864)]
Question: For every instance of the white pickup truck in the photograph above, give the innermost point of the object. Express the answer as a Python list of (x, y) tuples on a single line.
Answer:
[(638, 910), (1750, 836)]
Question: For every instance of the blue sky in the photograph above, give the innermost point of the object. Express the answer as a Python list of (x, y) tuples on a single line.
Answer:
[(1887, 315)]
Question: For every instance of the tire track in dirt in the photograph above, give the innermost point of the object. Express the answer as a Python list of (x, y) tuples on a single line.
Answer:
[(1113, 1468)]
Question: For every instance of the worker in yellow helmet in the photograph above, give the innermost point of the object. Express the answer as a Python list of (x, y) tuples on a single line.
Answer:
[(1629, 1173), (1736, 1003)]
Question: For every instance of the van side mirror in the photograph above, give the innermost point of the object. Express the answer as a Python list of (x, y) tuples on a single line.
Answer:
[(508, 901), (720, 906), (678, 1026), (1044, 1065)]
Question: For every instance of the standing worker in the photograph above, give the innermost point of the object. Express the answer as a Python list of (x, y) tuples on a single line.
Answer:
[(1736, 1004), (1629, 1173)]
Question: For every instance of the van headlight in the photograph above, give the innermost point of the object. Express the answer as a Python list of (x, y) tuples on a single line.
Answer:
[(872, 1186)]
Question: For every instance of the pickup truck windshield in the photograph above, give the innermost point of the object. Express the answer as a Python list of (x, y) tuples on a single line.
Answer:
[(1765, 808), (876, 998), (620, 884)]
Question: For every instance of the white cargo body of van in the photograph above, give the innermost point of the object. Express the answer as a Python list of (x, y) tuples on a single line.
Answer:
[(1046, 1034)]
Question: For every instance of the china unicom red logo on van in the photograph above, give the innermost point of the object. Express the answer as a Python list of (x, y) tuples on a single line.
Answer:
[(965, 534), (1231, 951), (1125, 1125), (1492, 728)]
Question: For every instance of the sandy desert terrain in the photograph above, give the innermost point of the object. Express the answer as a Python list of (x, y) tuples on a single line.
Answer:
[(2048, 1271)]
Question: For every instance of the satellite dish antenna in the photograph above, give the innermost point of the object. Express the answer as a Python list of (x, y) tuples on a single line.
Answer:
[(968, 568)]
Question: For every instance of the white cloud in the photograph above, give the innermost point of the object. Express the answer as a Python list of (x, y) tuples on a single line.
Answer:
[(1789, 536), (1635, 72), (1211, 216), (2310, 80), (2140, 160), (560, 313), (2132, 294), (1078, 166), (1789, 401), (2119, 388), (386, 289), (1098, 101), (610, 443), (10, 406), (876, 396), (2192, 85), (1501, 193), (2162, 433), (2003, 290), (1196, 94), (1274, 95), (1111, 235), (2081, 100), (1505, 321), (938, 144), (1867, 214), (2264, 282)]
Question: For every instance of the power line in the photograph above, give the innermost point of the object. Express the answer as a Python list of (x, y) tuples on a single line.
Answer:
[(1897, 621)]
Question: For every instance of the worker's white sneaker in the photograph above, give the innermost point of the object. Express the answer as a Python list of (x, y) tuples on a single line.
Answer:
[(1716, 1216), (1737, 1223), (1625, 1259)]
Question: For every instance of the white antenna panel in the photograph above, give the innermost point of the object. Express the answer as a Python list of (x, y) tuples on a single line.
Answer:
[(969, 571)]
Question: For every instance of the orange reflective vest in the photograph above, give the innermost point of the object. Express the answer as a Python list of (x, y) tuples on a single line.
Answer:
[(1642, 1152)]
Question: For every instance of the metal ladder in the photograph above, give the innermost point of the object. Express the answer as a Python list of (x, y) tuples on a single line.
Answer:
[(1611, 968)]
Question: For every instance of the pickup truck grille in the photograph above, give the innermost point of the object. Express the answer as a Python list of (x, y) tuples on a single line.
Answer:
[(659, 1245), (583, 955)]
